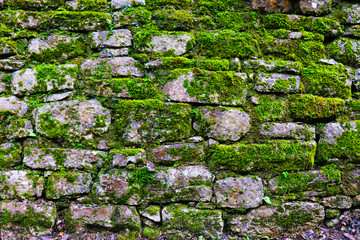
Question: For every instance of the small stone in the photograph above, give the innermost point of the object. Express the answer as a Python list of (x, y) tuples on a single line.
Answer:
[(19, 128), (110, 52), (315, 7), (212, 142), (272, 5), (150, 166), (331, 132), (154, 64), (152, 212), (165, 43), (329, 61), (123, 157), (276, 66), (196, 139), (10, 155), (332, 213), (102, 145), (176, 91), (11, 65), (340, 202), (13, 105), (115, 38), (332, 222), (58, 97), (179, 152), (117, 4), (356, 201), (288, 130)]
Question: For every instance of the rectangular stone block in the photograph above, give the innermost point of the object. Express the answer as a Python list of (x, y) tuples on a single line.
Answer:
[(116, 38), (19, 19), (179, 153)]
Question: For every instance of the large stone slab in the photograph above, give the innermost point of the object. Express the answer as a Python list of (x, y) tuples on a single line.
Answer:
[(117, 4), (18, 183), (71, 119), (13, 105), (34, 4), (241, 193), (222, 124), (69, 184), (84, 217), (288, 217), (44, 78), (115, 38), (180, 221), (340, 202), (37, 218), (178, 43), (278, 83), (107, 67), (288, 130), (56, 158), (179, 153), (10, 155)]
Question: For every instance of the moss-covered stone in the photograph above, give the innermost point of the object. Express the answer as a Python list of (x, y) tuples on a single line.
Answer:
[(345, 50), (270, 108), (275, 156), (310, 107), (20, 19), (87, 5), (7, 47), (35, 4), (10, 155)]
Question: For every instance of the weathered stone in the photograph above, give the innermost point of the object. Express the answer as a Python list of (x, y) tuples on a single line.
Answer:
[(180, 221), (118, 66), (288, 217), (315, 7), (164, 43), (288, 130), (19, 128), (15, 184), (56, 158), (123, 157), (189, 152), (331, 132), (351, 184), (273, 66), (189, 183), (37, 218), (114, 186), (21, 20), (356, 201), (176, 91), (10, 155), (340, 202), (68, 184), (13, 105), (57, 97), (117, 4), (355, 76), (152, 212), (272, 5), (2, 82), (140, 121), (195, 139), (346, 51), (332, 213), (353, 13), (84, 217), (115, 38), (353, 32), (243, 192), (7, 47), (11, 64), (279, 155), (329, 61), (225, 125), (282, 83), (71, 119), (44, 79), (79, 5), (56, 47), (34, 4), (109, 52)]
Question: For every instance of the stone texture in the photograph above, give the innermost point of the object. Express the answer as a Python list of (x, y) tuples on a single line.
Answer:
[(225, 125), (185, 153), (84, 218), (58, 97), (272, 5), (355, 76), (124, 157), (117, 4), (340, 202), (115, 38), (165, 43), (188, 183), (176, 91), (240, 193), (352, 13), (346, 51), (273, 66), (2, 82), (116, 67), (17, 183), (288, 217), (71, 119), (10, 155), (315, 7), (353, 31), (40, 216), (331, 132), (288, 130), (7, 47), (56, 158), (22, 19), (57, 78), (180, 221), (19, 128), (152, 212), (109, 52), (11, 64), (278, 83), (13, 105), (70, 184)]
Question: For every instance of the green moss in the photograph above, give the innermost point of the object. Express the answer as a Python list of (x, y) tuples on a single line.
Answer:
[(90, 5), (35, 4), (53, 127), (327, 80), (7, 46), (19, 19), (345, 50), (151, 233), (270, 109), (310, 107), (273, 156), (332, 213), (10, 155), (237, 21), (296, 216)]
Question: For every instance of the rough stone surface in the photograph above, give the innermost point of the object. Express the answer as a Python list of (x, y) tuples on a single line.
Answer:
[(288, 130), (117, 4), (56, 158), (179, 221), (123, 158), (57, 97), (346, 51), (115, 38), (67, 185), (11, 64), (40, 46), (226, 125), (116, 67), (152, 212), (10, 155), (85, 217), (27, 81), (283, 83), (176, 91), (340, 202), (109, 52), (40, 215), (330, 132), (272, 5), (315, 6), (188, 152), (288, 217), (13, 105), (353, 14), (164, 43), (2, 84), (240, 193), (71, 118), (16, 183), (19, 129)]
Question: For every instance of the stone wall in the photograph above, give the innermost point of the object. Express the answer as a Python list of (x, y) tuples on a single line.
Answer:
[(184, 118)]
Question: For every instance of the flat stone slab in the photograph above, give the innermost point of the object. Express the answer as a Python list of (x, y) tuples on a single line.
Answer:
[(115, 38), (13, 105), (288, 130)]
